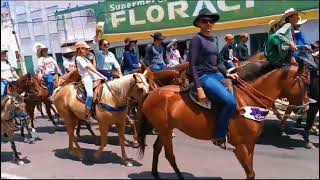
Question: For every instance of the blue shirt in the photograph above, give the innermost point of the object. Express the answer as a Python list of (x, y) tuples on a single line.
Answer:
[(299, 37), (130, 61), (105, 61), (154, 55)]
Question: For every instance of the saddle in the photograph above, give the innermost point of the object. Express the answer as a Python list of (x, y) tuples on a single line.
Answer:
[(82, 94), (192, 94)]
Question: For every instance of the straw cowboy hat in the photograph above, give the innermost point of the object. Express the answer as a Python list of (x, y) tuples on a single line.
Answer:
[(206, 13), (288, 13), (66, 50), (38, 47), (300, 22)]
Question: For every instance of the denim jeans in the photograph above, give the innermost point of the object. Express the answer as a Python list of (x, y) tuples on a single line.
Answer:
[(4, 85), (217, 93), (229, 64), (49, 78), (158, 67), (88, 86), (109, 75)]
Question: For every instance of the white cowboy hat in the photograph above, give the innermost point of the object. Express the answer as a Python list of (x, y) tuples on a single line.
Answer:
[(288, 13), (300, 22), (67, 49)]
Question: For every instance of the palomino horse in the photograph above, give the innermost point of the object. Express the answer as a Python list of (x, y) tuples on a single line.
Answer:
[(9, 105), (167, 108), (113, 95)]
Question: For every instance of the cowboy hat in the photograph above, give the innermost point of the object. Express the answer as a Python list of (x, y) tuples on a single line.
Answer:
[(66, 50), (38, 47), (288, 13), (206, 13), (300, 22), (158, 35), (128, 40), (82, 44)]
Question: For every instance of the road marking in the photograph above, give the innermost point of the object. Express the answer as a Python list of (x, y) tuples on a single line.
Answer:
[(11, 176)]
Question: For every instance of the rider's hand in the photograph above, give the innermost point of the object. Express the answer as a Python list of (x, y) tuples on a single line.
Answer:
[(292, 46), (201, 95), (99, 28), (308, 47), (232, 76)]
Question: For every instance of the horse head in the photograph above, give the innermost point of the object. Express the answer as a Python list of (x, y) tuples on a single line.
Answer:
[(140, 85), (14, 103)]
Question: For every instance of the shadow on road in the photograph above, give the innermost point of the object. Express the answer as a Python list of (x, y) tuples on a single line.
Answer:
[(89, 159), (148, 175), (50, 129), (272, 136), (112, 140), (7, 157)]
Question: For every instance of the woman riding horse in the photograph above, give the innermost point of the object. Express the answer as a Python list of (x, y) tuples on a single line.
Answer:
[(208, 71)]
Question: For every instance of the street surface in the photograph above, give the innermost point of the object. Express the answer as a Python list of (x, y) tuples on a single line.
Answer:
[(275, 157)]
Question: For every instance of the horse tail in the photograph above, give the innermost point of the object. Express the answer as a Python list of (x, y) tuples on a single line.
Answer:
[(142, 130)]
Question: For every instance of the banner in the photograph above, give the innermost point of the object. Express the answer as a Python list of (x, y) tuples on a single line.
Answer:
[(148, 15)]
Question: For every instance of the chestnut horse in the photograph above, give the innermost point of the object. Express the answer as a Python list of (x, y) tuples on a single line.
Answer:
[(110, 108), (167, 108)]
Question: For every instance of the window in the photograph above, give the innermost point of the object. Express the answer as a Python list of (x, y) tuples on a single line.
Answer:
[(257, 42), (23, 29), (54, 42), (26, 45), (38, 28), (36, 14), (52, 24), (40, 39), (91, 17), (21, 17), (35, 5), (20, 7)]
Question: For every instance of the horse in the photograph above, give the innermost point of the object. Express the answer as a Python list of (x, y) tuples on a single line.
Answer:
[(168, 107), (110, 107), (37, 94), (10, 105)]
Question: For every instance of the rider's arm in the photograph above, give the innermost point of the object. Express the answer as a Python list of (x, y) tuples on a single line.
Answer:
[(14, 73), (195, 48), (116, 65)]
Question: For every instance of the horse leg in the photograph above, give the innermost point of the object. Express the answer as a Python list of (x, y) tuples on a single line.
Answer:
[(55, 113), (312, 112), (78, 128), (48, 109), (30, 110), (157, 147), (166, 139), (242, 155), (71, 125), (90, 129), (104, 128), (16, 158), (284, 123), (135, 134), (121, 130)]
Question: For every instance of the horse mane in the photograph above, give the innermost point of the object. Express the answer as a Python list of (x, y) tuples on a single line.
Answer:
[(255, 69), (120, 86)]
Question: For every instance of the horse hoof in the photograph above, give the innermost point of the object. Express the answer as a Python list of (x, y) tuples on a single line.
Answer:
[(309, 145), (155, 175), (19, 162), (128, 163), (33, 130)]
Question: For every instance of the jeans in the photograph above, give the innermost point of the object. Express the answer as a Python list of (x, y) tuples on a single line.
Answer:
[(229, 64), (109, 75), (4, 85), (158, 67), (217, 92), (126, 72), (88, 86), (49, 78)]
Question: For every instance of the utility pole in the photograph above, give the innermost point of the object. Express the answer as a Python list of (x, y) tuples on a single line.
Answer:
[(21, 57)]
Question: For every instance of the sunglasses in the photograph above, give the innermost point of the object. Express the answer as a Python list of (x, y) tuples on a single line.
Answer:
[(206, 21), (105, 45)]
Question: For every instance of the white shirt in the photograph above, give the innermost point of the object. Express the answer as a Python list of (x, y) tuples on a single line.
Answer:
[(6, 70), (48, 64), (67, 62), (84, 72), (105, 61)]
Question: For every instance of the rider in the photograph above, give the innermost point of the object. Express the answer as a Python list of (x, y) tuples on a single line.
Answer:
[(228, 53), (280, 45), (88, 73), (155, 53), (130, 58), (68, 60), (242, 48), (173, 54), (8, 73), (48, 67), (107, 64), (208, 71)]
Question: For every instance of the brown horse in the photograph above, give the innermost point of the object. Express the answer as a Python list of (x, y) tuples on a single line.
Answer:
[(9, 104), (167, 108), (112, 94)]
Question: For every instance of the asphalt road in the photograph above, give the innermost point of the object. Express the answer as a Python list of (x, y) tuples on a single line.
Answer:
[(275, 157)]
